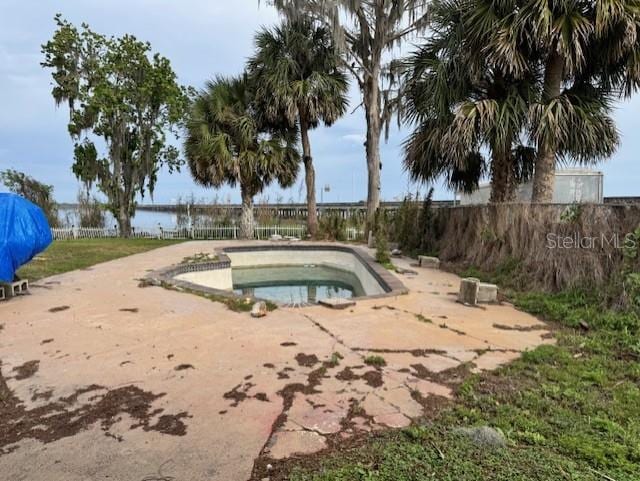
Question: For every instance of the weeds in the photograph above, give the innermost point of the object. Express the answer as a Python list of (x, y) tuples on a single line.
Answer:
[(374, 360)]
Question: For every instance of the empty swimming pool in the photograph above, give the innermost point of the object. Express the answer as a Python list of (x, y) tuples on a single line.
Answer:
[(299, 274), (295, 284)]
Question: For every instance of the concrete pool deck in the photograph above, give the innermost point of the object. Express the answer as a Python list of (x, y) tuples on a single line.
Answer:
[(106, 380)]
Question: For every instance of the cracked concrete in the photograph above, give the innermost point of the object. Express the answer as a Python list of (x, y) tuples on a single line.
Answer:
[(253, 387)]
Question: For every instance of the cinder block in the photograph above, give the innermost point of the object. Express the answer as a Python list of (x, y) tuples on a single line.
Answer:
[(487, 292), (12, 289), (430, 262), (469, 291)]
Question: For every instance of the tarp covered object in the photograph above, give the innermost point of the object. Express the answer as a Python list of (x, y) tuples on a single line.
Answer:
[(24, 232)]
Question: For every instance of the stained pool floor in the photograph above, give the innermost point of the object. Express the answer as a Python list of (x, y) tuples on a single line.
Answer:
[(296, 285), (102, 379)]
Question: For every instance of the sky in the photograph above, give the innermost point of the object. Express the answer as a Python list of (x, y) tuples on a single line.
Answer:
[(202, 38)]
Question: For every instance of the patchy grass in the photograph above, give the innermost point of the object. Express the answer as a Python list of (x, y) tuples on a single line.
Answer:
[(68, 255), (335, 359), (422, 318), (569, 412), (374, 360)]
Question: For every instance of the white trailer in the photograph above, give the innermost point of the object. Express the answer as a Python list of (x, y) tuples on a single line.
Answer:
[(581, 186)]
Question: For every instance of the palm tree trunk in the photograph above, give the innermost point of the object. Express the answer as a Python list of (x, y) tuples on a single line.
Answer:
[(372, 145), (500, 179), (545, 169), (310, 180), (246, 216)]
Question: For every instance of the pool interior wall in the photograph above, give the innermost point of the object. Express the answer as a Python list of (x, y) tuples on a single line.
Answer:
[(341, 259)]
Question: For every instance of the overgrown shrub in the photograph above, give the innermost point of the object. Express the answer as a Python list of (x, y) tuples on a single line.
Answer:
[(333, 226), (381, 235), (90, 210), (37, 192), (415, 225)]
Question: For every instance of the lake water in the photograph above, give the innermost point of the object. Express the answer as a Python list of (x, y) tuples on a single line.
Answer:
[(143, 220)]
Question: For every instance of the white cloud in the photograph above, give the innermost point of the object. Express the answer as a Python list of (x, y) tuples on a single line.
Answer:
[(358, 139)]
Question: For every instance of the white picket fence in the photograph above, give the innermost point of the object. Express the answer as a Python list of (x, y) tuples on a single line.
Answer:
[(354, 234), (204, 233)]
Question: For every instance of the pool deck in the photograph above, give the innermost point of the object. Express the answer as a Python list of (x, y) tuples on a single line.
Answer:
[(107, 380)]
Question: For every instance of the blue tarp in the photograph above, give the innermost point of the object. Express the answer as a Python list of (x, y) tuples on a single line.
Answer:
[(24, 232)]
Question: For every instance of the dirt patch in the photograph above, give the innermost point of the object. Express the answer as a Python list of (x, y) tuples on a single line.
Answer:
[(133, 310), (239, 393), (269, 365), (59, 308), (431, 405), (347, 375), (283, 373), (42, 395), (183, 367), (26, 370), (46, 341), (385, 306), (452, 329), (373, 378), (64, 417), (413, 352), (288, 344), (451, 377), (170, 424), (307, 360)]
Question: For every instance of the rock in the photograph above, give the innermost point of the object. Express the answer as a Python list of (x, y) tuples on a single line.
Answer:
[(484, 437), (275, 237), (468, 294), (487, 292), (259, 309), (396, 253), (429, 262)]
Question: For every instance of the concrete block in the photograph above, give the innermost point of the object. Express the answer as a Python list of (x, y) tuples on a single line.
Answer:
[(12, 289), (259, 309), (487, 292), (469, 291), (430, 262), (337, 303)]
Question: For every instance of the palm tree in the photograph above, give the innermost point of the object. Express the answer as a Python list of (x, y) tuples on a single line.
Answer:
[(465, 107), (543, 71), (298, 75), (369, 32), (585, 55), (228, 142)]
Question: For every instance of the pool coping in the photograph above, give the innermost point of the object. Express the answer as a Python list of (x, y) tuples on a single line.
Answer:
[(165, 277)]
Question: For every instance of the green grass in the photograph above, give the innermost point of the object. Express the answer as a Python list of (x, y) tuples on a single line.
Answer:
[(64, 256), (375, 360), (569, 412)]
